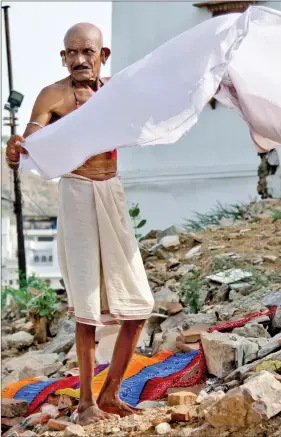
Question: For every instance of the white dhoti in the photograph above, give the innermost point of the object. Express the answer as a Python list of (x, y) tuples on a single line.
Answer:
[(98, 254)]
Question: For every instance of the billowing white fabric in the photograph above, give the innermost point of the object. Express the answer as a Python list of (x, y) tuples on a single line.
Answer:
[(98, 254), (159, 98)]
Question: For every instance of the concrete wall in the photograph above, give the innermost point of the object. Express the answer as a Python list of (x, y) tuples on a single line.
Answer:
[(215, 161)]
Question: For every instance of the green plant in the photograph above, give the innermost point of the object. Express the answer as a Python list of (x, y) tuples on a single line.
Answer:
[(192, 287), (138, 223), (214, 216), (45, 304), (276, 215)]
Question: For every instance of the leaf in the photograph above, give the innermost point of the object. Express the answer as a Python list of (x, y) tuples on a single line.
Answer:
[(135, 212), (141, 224)]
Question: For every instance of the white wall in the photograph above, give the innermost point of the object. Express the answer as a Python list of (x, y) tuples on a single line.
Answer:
[(215, 161)]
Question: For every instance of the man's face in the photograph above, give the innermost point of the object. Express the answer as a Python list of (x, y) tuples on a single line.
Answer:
[(83, 55)]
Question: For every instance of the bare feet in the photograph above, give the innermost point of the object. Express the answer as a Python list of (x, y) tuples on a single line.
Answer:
[(116, 406), (91, 414)]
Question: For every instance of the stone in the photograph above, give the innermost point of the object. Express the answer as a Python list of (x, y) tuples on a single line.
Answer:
[(166, 295), (271, 346), (10, 422), (196, 389), (230, 276), (57, 425), (32, 372), (151, 404), (61, 343), (186, 268), (74, 431), (206, 402), (168, 342), (174, 308), (170, 241), (12, 432), (163, 428), (219, 352), (67, 327), (209, 319), (253, 330), (174, 321), (181, 397), (194, 251), (193, 334), (13, 407), (187, 347), (239, 374), (242, 287), (272, 300), (19, 340), (29, 433), (270, 258), (169, 231), (256, 400), (222, 294), (38, 359), (276, 322)]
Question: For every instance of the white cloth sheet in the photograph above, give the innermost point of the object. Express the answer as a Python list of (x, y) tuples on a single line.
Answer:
[(159, 98)]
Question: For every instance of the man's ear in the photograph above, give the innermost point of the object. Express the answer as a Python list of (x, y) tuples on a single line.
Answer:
[(63, 60), (105, 53)]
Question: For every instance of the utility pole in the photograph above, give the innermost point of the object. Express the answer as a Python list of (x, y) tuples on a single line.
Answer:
[(17, 188)]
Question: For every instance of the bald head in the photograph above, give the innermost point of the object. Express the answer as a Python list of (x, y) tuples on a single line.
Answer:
[(84, 52), (86, 31)]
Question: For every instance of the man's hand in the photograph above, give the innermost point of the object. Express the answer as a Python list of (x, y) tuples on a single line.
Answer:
[(14, 149)]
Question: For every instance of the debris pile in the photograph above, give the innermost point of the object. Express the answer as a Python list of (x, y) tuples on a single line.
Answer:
[(200, 281)]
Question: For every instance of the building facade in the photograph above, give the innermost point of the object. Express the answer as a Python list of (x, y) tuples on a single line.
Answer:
[(216, 161)]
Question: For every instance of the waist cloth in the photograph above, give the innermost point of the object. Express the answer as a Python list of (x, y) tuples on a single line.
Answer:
[(98, 253)]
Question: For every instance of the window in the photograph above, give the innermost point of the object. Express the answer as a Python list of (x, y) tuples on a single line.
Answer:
[(44, 259), (45, 238), (11, 282), (30, 238), (50, 259), (36, 259)]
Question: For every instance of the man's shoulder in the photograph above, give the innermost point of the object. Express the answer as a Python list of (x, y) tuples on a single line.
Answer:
[(51, 93)]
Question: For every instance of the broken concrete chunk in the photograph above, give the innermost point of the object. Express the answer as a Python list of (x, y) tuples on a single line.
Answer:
[(193, 334), (13, 407), (166, 295), (253, 330), (259, 398), (230, 276), (194, 251), (274, 299), (271, 346), (19, 340), (276, 322), (181, 397), (170, 241)]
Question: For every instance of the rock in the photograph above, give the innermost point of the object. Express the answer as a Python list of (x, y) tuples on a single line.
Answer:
[(29, 433), (61, 343), (163, 428), (67, 327), (194, 251), (271, 346), (38, 359), (169, 231), (272, 300), (170, 241), (193, 334), (199, 319), (174, 308), (196, 389), (239, 374), (10, 422), (13, 407), (258, 399), (32, 372), (166, 295), (181, 397), (57, 425), (13, 432), (187, 347), (168, 342), (242, 287), (230, 276), (174, 321), (270, 258), (74, 431), (186, 268), (224, 352), (151, 404), (253, 330), (206, 402), (276, 322), (222, 294), (19, 340)]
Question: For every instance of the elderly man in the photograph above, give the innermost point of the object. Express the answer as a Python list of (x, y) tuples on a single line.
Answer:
[(98, 254)]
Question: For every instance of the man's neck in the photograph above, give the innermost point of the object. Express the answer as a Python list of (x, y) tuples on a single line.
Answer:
[(86, 83)]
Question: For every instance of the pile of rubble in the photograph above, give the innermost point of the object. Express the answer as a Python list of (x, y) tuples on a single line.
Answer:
[(199, 280)]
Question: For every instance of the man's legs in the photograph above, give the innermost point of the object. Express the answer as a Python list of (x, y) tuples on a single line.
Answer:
[(85, 346), (125, 346)]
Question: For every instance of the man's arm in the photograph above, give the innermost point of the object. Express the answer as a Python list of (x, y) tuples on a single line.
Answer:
[(41, 114)]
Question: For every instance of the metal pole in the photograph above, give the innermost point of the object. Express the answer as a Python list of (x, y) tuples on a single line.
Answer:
[(17, 188)]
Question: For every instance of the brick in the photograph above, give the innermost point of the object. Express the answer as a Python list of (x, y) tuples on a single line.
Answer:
[(57, 425), (194, 389), (13, 407), (181, 398), (174, 308), (180, 415), (193, 334)]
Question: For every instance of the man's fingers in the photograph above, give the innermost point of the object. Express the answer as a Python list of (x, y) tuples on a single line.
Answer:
[(23, 150)]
